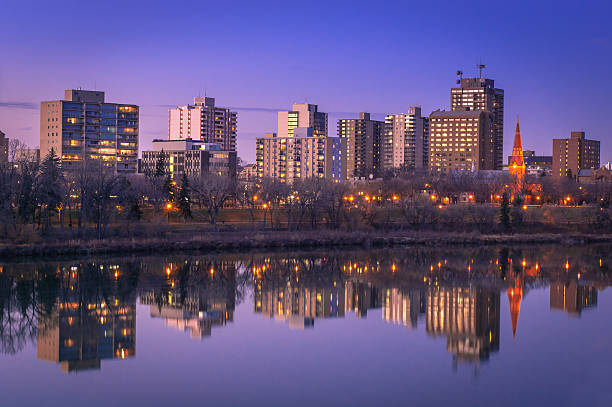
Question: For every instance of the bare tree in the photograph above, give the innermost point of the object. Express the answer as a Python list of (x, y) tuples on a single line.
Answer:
[(213, 191)]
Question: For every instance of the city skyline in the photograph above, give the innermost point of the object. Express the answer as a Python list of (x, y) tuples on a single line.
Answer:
[(537, 66)]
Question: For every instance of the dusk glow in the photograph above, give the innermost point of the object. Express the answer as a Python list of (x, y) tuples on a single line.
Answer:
[(552, 61)]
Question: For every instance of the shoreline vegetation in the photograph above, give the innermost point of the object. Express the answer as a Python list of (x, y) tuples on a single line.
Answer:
[(238, 241), (45, 211)]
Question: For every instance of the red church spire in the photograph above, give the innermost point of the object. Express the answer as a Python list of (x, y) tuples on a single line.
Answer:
[(516, 166)]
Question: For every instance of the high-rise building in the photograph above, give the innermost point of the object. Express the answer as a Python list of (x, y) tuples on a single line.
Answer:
[(405, 143), (302, 155), (192, 157), (360, 139), (3, 148), (302, 115), (203, 121), (469, 317), (460, 141), (83, 127), (481, 94), (574, 154)]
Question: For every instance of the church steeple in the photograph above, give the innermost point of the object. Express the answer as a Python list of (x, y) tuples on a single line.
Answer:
[(516, 166)]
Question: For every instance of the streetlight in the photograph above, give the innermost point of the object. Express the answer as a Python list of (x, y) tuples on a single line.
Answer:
[(168, 209)]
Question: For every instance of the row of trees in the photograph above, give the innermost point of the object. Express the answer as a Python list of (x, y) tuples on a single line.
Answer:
[(37, 196)]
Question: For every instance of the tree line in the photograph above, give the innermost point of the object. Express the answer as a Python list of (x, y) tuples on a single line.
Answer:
[(38, 197)]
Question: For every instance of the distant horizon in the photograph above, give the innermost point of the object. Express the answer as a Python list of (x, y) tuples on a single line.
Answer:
[(253, 60)]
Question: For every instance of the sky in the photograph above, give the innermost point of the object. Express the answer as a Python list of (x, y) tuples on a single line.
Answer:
[(552, 58)]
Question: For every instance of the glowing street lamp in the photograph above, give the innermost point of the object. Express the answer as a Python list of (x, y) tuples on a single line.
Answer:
[(168, 209)]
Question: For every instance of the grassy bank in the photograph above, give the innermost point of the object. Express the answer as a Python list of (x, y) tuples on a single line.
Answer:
[(240, 241)]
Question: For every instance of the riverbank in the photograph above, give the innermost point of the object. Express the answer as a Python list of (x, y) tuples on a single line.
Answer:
[(240, 241)]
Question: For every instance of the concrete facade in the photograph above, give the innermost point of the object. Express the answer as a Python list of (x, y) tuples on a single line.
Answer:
[(204, 121), (406, 141)]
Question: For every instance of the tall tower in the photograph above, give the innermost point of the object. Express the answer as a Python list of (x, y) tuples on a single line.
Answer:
[(516, 166), (360, 140), (481, 94), (406, 140), (204, 121)]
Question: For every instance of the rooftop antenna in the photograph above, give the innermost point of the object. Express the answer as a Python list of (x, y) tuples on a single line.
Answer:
[(460, 76), (480, 67)]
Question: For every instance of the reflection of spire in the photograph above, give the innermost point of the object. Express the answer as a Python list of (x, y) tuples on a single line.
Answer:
[(515, 295)]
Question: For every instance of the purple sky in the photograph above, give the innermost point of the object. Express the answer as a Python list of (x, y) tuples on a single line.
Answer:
[(552, 59)]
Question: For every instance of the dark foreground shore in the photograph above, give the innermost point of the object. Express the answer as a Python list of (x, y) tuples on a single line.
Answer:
[(240, 241)]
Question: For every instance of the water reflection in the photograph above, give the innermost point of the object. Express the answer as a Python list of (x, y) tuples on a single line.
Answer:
[(80, 313)]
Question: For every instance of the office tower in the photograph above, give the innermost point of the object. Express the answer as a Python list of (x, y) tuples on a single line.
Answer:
[(469, 317), (203, 121), (193, 157), (406, 141), (481, 94), (302, 115), (84, 127), (299, 156), (460, 141), (574, 154), (360, 139), (3, 148)]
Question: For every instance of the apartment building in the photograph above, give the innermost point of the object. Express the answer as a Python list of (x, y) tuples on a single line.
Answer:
[(405, 142), (193, 157), (574, 154), (360, 142), (302, 115), (300, 156), (481, 94), (83, 127), (3, 148), (461, 141), (204, 121)]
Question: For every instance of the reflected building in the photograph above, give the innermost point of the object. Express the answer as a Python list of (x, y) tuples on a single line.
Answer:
[(195, 310), (468, 317), (360, 297), (298, 304), (79, 334), (572, 297), (405, 308)]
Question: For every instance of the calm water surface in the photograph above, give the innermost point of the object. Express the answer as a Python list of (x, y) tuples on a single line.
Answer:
[(475, 327)]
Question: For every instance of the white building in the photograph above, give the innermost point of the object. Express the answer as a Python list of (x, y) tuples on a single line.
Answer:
[(203, 121)]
